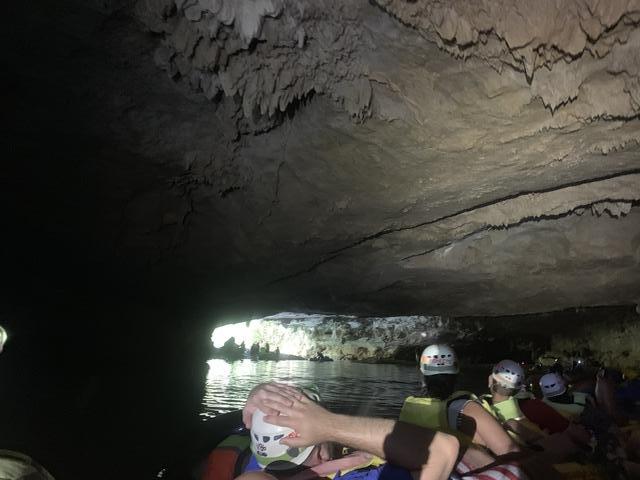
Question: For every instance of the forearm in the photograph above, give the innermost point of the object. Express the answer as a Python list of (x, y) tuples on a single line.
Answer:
[(361, 433), (403, 444), (526, 434)]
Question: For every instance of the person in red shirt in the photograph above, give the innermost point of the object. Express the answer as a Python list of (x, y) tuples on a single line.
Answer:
[(562, 437), (544, 416)]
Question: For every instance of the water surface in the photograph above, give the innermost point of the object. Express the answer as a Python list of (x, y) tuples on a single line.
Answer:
[(345, 386)]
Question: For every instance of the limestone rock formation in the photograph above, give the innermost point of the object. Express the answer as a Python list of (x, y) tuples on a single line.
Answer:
[(348, 337), (603, 335), (385, 157)]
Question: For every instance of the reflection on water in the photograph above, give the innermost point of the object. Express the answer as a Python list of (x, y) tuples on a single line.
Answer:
[(345, 386)]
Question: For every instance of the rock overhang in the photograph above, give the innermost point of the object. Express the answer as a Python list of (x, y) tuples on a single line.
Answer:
[(387, 158)]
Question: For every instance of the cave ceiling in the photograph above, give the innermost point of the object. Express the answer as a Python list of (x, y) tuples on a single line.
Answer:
[(443, 157)]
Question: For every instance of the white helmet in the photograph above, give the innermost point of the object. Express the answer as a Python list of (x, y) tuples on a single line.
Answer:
[(437, 359), (266, 446), (552, 385), (508, 374)]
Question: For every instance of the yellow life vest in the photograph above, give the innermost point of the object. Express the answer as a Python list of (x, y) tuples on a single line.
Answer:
[(373, 462), (571, 410), (509, 410), (432, 412), (503, 411), (425, 412)]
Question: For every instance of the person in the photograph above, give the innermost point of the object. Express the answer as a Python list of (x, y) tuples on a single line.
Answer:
[(614, 449), (529, 420), (504, 382), (555, 394), (456, 412), (15, 465), (293, 436)]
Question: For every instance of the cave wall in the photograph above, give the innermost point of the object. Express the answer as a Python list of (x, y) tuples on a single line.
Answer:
[(374, 158), (170, 162), (348, 337), (436, 149), (392, 339), (611, 337), (605, 335)]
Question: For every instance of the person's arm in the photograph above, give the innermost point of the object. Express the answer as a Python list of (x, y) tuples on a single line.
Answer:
[(485, 430), (279, 394), (526, 434), (406, 445)]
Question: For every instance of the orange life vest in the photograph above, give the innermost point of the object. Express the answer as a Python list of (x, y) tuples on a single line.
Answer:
[(223, 461)]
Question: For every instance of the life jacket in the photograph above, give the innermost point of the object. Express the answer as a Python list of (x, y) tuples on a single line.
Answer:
[(432, 412), (503, 411), (368, 468), (363, 471), (506, 410), (570, 410), (224, 461), (385, 471)]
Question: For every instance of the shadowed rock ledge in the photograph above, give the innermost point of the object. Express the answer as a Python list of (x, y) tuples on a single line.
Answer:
[(384, 157)]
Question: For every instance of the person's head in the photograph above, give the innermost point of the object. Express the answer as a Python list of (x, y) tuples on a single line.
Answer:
[(266, 446), (556, 368), (552, 385), (506, 378), (439, 367), (272, 455)]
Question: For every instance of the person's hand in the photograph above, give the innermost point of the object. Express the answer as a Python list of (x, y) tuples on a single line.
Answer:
[(312, 423), (277, 394)]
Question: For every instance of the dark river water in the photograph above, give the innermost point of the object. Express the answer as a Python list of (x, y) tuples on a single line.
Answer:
[(345, 386), (376, 390)]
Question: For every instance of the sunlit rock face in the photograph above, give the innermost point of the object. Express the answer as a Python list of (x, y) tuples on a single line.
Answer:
[(383, 157), (603, 335), (382, 339), (340, 337)]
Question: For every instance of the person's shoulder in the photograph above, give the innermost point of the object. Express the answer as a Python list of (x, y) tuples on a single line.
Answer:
[(541, 407)]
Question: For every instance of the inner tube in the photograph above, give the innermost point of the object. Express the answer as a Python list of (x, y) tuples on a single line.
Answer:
[(214, 431), (190, 465)]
